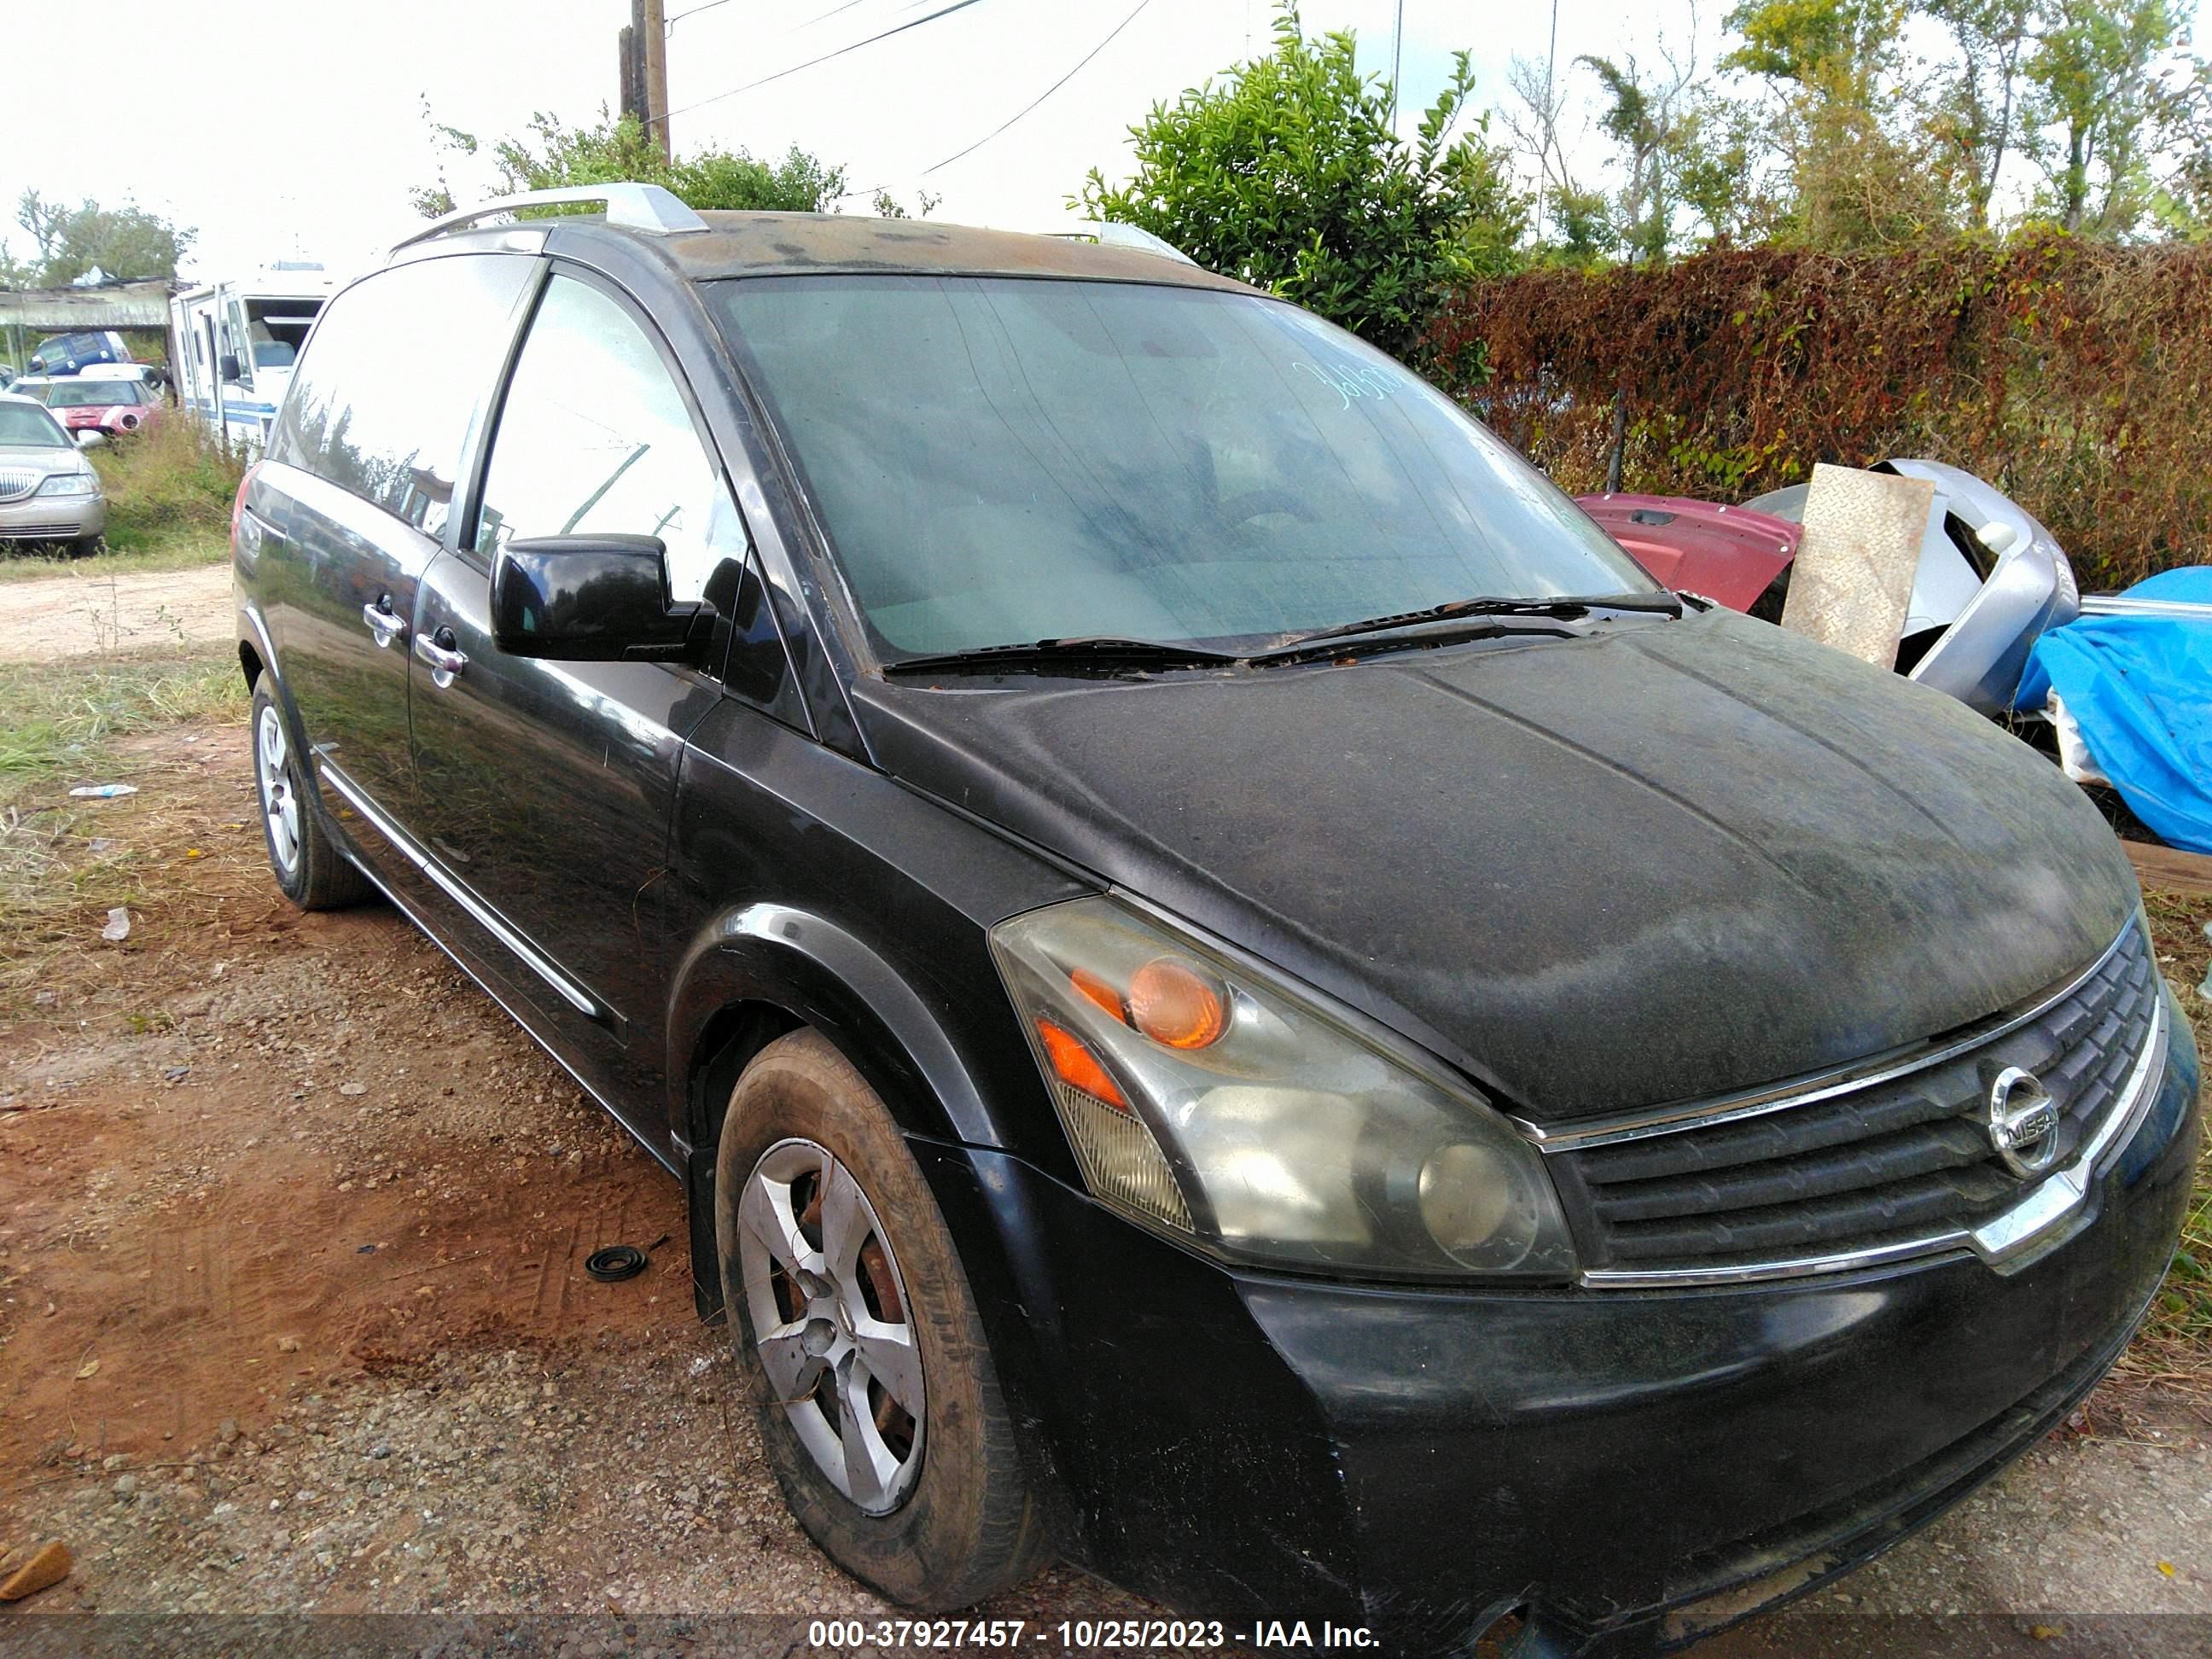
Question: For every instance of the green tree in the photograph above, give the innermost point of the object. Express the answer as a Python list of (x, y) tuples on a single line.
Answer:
[(1653, 120), (1863, 170), (1837, 47), (1285, 171), (1976, 111), (71, 242), (2093, 101), (550, 156)]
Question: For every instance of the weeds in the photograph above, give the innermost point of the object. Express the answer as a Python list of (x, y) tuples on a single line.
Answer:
[(54, 718), (58, 727)]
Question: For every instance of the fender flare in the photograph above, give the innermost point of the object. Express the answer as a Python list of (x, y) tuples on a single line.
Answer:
[(820, 973), (264, 646)]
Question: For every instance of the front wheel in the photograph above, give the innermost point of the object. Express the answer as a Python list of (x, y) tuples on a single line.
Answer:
[(878, 1405), (312, 873)]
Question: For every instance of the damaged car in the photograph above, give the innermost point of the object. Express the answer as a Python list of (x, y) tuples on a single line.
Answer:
[(1234, 992), (1991, 580)]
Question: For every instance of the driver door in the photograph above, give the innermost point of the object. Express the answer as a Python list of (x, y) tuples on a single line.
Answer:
[(547, 789)]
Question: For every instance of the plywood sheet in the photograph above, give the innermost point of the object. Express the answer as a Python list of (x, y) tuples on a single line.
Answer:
[(1852, 577)]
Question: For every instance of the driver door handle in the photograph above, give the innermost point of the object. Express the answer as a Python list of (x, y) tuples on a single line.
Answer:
[(382, 623), (437, 649)]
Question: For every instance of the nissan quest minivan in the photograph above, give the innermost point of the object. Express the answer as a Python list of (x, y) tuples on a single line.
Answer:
[(1236, 992)]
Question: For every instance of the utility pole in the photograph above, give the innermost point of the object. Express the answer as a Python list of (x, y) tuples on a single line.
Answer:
[(1397, 53), (652, 26), (629, 82)]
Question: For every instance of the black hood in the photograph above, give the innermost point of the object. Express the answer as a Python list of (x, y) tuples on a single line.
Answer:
[(1659, 862)]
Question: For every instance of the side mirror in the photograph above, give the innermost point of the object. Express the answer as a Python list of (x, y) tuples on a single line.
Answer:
[(87, 438), (1997, 537), (227, 365), (593, 598)]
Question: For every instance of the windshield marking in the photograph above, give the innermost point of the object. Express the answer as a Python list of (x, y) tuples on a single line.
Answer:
[(1349, 383)]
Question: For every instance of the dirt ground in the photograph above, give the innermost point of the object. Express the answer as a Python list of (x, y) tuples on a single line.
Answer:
[(52, 617), (293, 1315)]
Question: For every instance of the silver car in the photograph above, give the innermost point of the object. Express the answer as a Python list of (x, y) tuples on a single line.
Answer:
[(48, 491)]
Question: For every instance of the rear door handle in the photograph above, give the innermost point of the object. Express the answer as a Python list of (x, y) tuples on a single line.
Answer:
[(446, 663), (382, 623)]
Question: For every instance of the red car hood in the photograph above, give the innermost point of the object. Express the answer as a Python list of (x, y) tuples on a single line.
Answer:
[(1727, 553)]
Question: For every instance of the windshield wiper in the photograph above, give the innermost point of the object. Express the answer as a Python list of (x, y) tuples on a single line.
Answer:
[(1566, 607), (1097, 651)]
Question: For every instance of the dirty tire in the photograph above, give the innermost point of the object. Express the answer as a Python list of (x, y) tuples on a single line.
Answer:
[(317, 877), (968, 1525)]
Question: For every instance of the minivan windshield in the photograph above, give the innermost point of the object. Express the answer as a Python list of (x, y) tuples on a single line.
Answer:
[(1007, 460)]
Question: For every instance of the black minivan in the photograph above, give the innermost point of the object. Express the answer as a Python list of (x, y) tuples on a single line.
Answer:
[(1236, 994)]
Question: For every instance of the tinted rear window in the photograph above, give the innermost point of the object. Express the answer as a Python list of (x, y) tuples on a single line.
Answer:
[(399, 364)]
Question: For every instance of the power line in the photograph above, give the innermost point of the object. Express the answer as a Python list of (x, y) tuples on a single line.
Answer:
[(1042, 96), (669, 25), (819, 16), (931, 17)]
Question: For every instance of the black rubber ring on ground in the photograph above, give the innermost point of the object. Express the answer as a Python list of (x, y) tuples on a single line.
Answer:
[(615, 1263)]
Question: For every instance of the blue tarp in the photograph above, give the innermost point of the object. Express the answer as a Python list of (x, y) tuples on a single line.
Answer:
[(2141, 688)]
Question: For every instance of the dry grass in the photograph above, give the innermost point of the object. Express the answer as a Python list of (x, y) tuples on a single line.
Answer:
[(60, 726), (176, 550)]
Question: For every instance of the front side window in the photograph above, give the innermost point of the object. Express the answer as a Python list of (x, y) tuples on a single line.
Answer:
[(1000, 461), (381, 403), (594, 437)]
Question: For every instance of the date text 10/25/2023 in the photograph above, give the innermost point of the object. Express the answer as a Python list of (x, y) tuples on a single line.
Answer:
[(1082, 1634)]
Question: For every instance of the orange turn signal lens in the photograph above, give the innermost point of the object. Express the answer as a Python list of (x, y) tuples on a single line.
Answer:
[(1078, 1068), (1175, 1005), (1092, 988)]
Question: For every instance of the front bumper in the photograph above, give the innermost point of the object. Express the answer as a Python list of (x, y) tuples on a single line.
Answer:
[(53, 518), (1631, 1468)]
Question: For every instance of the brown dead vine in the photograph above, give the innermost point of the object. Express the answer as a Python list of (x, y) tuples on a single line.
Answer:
[(2072, 374)]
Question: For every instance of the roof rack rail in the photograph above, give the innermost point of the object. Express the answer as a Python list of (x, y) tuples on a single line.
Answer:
[(634, 207), (1108, 233)]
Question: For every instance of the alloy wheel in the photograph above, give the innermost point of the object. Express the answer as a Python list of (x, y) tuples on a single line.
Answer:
[(832, 1324), (280, 801)]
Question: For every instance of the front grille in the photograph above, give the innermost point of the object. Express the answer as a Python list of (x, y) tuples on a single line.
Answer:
[(16, 483), (58, 529), (1863, 1169)]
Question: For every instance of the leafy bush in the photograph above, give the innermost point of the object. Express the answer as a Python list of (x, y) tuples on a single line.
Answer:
[(1287, 174), (2069, 373), (618, 150)]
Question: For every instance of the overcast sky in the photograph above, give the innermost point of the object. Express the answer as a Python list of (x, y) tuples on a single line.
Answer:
[(284, 129)]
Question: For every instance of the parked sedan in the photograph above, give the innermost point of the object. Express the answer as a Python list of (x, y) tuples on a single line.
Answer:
[(1234, 991), (110, 405), (49, 493)]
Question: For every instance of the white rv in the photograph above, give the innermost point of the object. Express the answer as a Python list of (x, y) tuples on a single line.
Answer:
[(232, 345)]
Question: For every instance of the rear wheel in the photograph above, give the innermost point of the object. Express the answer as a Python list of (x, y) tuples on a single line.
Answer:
[(314, 874), (878, 1405)]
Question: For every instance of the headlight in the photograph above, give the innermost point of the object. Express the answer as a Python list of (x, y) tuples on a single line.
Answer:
[(70, 484), (1214, 1102)]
